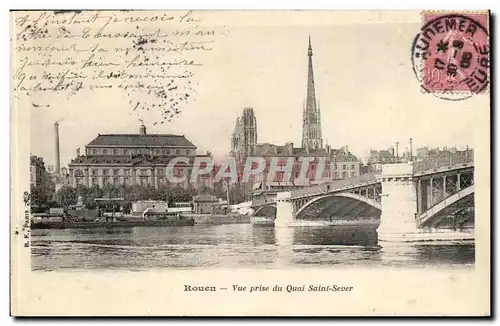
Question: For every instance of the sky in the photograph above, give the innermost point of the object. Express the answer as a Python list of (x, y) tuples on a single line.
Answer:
[(368, 94)]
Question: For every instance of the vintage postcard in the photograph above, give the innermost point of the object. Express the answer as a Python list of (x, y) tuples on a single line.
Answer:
[(250, 163)]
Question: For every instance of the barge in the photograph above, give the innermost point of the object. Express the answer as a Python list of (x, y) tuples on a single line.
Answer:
[(152, 219)]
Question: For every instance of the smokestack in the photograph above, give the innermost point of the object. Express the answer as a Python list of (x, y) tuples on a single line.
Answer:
[(411, 149), (397, 152), (78, 152), (56, 145)]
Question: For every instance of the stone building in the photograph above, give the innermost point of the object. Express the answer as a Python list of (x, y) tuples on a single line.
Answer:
[(378, 158), (338, 164), (451, 154), (203, 204), (133, 159), (245, 134), (37, 169)]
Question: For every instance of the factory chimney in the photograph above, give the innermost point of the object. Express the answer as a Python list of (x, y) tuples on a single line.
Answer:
[(56, 145), (411, 149), (397, 152)]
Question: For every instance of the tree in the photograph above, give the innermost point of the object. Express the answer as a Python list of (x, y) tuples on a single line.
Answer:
[(39, 199), (42, 193), (66, 196), (112, 191), (90, 195)]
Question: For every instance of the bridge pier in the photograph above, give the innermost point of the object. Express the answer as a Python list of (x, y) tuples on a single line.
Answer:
[(404, 198), (284, 209), (399, 203)]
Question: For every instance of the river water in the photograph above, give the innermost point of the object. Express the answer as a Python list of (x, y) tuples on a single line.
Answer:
[(232, 246)]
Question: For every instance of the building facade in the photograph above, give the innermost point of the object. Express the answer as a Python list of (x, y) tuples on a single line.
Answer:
[(322, 165), (133, 159), (37, 170), (424, 153), (204, 204), (378, 158)]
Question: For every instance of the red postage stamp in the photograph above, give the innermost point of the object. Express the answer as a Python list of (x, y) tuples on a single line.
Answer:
[(451, 54)]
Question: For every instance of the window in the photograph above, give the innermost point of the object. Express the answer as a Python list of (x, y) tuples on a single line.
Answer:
[(94, 151), (188, 152), (94, 172), (125, 151), (105, 181), (115, 152), (125, 181), (343, 167), (104, 171), (126, 172), (336, 166), (157, 151), (352, 166), (116, 181), (344, 175), (353, 174), (160, 171), (177, 152), (105, 151), (94, 181), (116, 171)]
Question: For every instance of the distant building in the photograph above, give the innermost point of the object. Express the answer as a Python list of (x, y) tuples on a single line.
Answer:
[(381, 157), (338, 163), (245, 134), (37, 170), (132, 159), (451, 154), (203, 204)]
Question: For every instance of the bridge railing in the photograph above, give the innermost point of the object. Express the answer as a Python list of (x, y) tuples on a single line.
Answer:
[(465, 157), (329, 186)]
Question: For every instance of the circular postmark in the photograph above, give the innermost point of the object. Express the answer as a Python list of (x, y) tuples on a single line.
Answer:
[(450, 55)]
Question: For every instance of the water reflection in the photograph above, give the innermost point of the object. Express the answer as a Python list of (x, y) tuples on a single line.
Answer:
[(339, 235), (237, 245)]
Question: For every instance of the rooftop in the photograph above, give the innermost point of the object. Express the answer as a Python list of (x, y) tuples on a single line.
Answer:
[(153, 140), (267, 149)]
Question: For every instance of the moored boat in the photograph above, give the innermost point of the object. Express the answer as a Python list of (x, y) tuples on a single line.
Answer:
[(168, 221)]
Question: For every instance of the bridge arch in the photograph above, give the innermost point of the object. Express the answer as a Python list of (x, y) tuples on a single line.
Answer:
[(343, 204), (267, 211), (447, 206)]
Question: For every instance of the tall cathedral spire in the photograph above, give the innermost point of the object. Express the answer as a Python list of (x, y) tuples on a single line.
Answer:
[(311, 133)]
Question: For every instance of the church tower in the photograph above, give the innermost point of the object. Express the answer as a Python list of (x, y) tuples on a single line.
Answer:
[(311, 128), (245, 134)]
